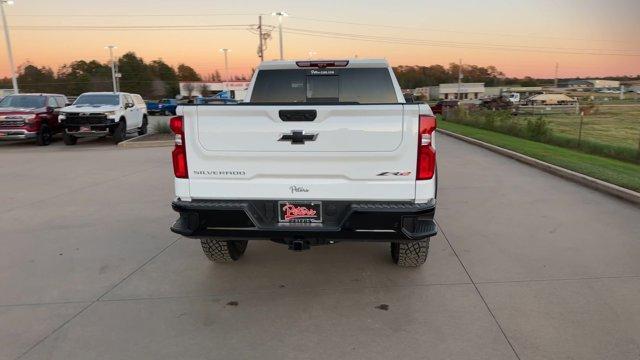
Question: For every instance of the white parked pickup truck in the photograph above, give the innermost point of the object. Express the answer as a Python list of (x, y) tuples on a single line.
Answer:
[(319, 152)]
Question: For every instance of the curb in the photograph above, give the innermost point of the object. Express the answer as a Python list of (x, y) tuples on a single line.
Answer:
[(139, 142), (593, 183)]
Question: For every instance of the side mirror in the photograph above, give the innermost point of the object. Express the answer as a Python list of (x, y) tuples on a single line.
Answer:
[(50, 109), (128, 105)]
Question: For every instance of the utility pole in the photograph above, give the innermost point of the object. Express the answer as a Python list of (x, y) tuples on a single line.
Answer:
[(261, 48), (14, 76), (555, 81), (459, 81), (280, 15), (113, 66)]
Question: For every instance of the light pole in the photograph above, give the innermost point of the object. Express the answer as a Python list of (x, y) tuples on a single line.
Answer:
[(113, 66), (14, 77), (280, 15), (226, 63)]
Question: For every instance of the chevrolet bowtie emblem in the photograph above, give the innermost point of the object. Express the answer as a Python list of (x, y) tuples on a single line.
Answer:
[(298, 137)]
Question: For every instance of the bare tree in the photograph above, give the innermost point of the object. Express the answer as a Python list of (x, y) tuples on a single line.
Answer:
[(204, 90), (189, 88)]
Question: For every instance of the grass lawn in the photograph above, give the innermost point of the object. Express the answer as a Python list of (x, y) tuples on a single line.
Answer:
[(613, 171), (613, 126)]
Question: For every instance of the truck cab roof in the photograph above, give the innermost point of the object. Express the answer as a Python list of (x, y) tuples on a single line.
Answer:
[(346, 63)]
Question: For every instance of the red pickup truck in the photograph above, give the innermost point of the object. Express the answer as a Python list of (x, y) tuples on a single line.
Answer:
[(30, 116)]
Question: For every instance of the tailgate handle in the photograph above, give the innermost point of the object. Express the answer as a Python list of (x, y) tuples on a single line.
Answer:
[(298, 115)]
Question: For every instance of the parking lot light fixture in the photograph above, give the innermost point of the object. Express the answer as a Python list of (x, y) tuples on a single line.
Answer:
[(280, 15), (14, 76), (226, 63), (113, 66)]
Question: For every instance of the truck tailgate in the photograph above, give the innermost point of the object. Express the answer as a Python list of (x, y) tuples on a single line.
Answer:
[(348, 152)]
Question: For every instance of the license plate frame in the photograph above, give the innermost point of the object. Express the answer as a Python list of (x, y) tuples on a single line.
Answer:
[(299, 212)]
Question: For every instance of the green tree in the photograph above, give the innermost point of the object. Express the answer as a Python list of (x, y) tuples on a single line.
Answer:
[(36, 79), (167, 75), (187, 73), (82, 76), (136, 75)]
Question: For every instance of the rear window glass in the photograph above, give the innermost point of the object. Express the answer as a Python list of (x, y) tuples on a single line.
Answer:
[(363, 86)]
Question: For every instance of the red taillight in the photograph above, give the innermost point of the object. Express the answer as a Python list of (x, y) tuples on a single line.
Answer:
[(426, 151), (179, 153)]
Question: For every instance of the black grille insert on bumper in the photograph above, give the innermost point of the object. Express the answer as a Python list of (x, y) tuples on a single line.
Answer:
[(84, 120)]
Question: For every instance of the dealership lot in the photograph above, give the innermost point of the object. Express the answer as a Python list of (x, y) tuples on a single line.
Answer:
[(526, 265)]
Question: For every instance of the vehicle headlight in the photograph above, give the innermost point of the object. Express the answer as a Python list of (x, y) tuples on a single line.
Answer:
[(110, 113)]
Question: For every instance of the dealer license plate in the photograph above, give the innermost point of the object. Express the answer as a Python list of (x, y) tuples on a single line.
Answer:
[(300, 211)]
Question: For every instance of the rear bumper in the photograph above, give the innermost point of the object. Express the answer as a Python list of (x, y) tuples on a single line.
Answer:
[(348, 221), (17, 134)]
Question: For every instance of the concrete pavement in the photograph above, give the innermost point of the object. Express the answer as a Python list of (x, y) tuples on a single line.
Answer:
[(526, 266)]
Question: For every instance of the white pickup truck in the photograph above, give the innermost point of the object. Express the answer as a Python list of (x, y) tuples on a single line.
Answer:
[(319, 152)]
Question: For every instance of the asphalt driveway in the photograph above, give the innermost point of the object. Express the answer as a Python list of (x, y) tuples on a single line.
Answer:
[(526, 266)]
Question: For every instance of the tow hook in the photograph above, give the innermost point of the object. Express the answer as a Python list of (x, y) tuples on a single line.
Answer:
[(299, 245)]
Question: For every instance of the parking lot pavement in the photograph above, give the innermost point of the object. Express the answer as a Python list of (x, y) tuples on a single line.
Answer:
[(526, 266)]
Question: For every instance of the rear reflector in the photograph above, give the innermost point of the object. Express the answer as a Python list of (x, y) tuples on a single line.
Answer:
[(323, 64), (426, 151), (179, 153)]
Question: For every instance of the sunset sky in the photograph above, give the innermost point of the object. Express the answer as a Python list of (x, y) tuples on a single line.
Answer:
[(520, 37)]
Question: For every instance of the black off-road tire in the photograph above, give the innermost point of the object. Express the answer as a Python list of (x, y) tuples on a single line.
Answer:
[(120, 132), (69, 139), (223, 251), (145, 125), (410, 254), (43, 138)]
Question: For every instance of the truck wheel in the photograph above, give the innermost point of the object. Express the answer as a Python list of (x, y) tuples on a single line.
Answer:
[(44, 136), (69, 139), (222, 251), (120, 132), (143, 129), (410, 254)]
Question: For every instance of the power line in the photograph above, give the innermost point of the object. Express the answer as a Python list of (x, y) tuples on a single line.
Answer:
[(453, 42), (510, 35), (449, 44), (131, 27), (131, 15), (338, 35), (439, 30)]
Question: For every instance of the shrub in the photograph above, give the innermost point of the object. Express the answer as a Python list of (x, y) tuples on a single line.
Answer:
[(538, 129)]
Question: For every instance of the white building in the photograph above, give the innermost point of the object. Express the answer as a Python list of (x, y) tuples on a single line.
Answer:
[(467, 91), (238, 89), (590, 83)]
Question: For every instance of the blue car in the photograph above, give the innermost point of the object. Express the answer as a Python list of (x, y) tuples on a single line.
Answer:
[(152, 107), (167, 106)]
